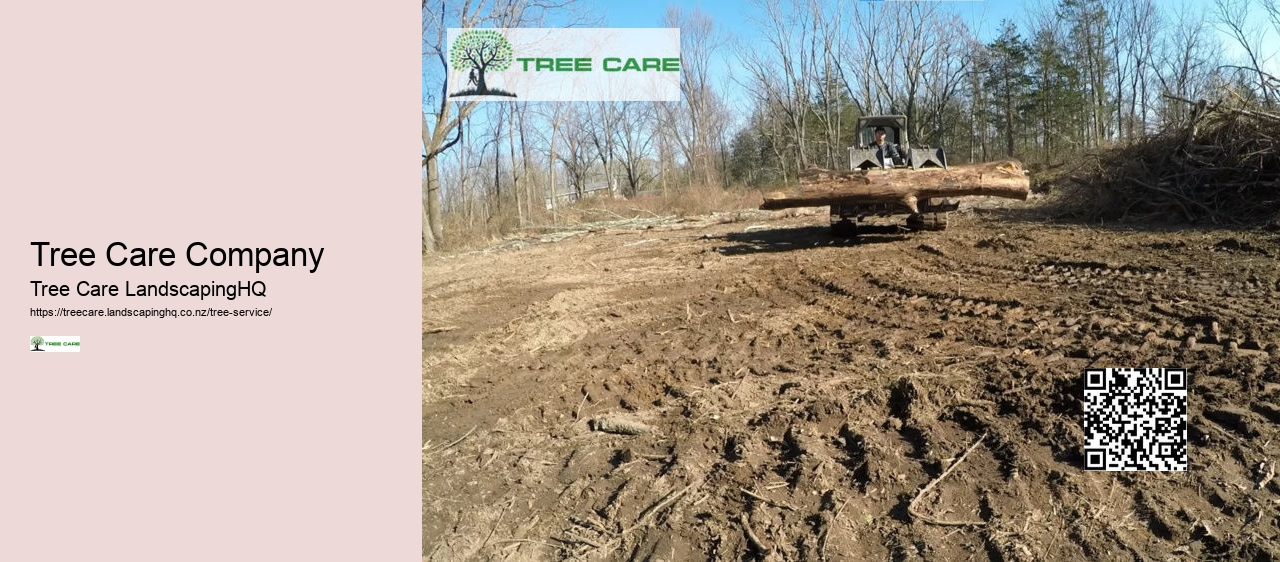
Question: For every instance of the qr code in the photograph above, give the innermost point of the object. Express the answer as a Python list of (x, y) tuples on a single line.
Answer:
[(1135, 419)]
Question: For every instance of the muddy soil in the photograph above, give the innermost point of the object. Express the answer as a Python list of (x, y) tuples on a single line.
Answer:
[(760, 390)]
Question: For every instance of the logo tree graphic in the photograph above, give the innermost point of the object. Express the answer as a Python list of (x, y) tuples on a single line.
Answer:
[(478, 51), (37, 341)]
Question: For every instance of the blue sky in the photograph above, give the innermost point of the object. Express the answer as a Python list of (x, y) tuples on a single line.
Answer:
[(983, 17), (734, 18)]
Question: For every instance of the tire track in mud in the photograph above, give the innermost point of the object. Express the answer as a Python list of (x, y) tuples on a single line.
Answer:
[(806, 397), (1143, 294), (913, 412), (1135, 331), (1120, 314)]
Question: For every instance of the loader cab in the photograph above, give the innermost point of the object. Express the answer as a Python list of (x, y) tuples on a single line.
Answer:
[(861, 157), (895, 130), (892, 134)]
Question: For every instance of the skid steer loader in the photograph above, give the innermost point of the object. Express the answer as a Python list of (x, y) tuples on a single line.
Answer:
[(932, 213)]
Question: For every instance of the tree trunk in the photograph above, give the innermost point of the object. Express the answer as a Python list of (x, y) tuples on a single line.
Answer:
[(820, 187), (497, 169), (524, 166), (433, 202), (1008, 124), (551, 171), (432, 232), (428, 241), (515, 177)]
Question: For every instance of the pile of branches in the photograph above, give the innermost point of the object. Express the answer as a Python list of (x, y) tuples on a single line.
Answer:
[(1220, 166)]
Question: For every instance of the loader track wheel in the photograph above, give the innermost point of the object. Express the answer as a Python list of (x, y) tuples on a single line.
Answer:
[(844, 228), (927, 221)]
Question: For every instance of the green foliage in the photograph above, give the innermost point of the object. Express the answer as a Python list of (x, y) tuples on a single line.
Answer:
[(1009, 57), (482, 49), (1008, 82), (1088, 24), (754, 151), (1057, 93), (37, 341), (744, 157)]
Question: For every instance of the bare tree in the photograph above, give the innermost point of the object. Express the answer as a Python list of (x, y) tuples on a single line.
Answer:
[(779, 70), (634, 138), (1233, 17), (556, 119), (833, 97), (605, 117), (898, 42), (943, 83), (1122, 65), (1186, 62), (694, 122), (516, 170), (429, 208), (1143, 21), (576, 156), (441, 118)]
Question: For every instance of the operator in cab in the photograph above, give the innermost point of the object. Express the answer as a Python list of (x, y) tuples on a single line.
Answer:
[(886, 151)]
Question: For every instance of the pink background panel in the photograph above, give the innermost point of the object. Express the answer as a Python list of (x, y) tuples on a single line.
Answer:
[(237, 124)]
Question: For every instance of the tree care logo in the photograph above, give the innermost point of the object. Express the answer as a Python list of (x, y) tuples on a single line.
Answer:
[(53, 343), (479, 51), (563, 64)]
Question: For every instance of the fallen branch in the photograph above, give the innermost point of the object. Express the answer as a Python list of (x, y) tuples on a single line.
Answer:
[(658, 507), (911, 507), (494, 529), (751, 535), (578, 540), (620, 426), (984, 404), (644, 520), (767, 500), (451, 444), (439, 329), (826, 531)]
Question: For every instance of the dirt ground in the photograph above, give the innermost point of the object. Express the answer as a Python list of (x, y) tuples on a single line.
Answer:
[(786, 395)]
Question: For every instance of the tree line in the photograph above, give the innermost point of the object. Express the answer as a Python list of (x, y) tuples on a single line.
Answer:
[(1066, 78)]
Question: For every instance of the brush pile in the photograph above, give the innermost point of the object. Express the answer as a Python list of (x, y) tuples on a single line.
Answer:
[(1221, 166)]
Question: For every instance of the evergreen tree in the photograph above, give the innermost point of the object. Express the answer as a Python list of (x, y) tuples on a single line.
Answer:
[(1088, 23), (744, 151), (1008, 82), (1057, 95)]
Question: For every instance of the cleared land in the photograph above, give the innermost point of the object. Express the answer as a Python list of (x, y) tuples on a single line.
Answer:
[(758, 389)]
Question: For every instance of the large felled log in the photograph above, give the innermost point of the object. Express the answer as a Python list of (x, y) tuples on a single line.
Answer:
[(826, 187)]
